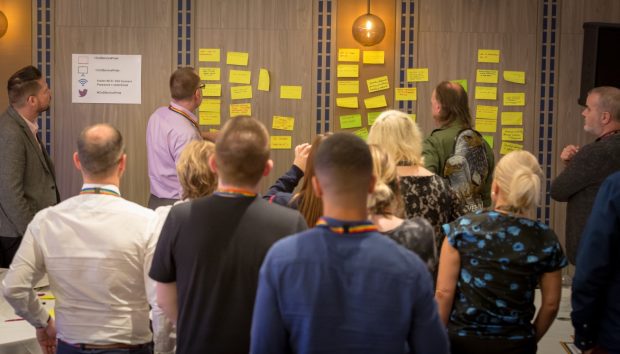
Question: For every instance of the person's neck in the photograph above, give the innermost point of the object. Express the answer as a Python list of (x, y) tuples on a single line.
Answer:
[(608, 129), (113, 180), (27, 113), (501, 206), (222, 186), (345, 211), (187, 104)]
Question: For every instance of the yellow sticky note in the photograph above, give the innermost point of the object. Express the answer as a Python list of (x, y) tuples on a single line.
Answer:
[(237, 58), (351, 121), (512, 134), (417, 75), (518, 77), (488, 55), (209, 118), (463, 83), (283, 123), (212, 90), (263, 80), (240, 92), (209, 54), (486, 125), (405, 94), (290, 92), (347, 102), (348, 87), (486, 112), (281, 142), (240, 109), (512, 118), (375, 102), (209, 105), (362, 133), (509, 147), (239, 76), (209, 74), (486, 93), (488, 139), (372, 117), (378, 84), (487, 76), (349, 54), (348, 70), (374, 57), (514, 98), (412, 116)]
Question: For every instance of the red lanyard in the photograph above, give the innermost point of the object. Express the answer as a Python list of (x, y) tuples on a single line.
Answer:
[(176, 110), (235, 192), (97, 190), (346, 229)]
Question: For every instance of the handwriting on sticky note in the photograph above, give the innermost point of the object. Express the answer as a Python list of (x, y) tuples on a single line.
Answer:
[(463, 83), (263, 80), (405, 94), (486, 76), (237, 58), (512, 134), (518, 77), (347, 102), (512, 118), (240, 92), (488, 139), (372, 117), (508, 147), (209, 74), (486, 125), (212, 90), (486, 93), (283, 123), (362, 133), (348, 70), (348, 87), (210, 105), (514, 98), (486, 111), (351, 121), (488, 55), (349, 54), (240, 109), (417, 75), (378, 84), (239, 76), (375, 102), (374, 57), (290, 92), (209, 118), (279, 142), (209, 54)]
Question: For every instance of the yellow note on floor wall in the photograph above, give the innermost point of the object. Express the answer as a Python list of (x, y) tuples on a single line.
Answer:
[(210, 105), (518, 77), (486, 125), (378, 84), (348, 70), (240, 92), (362, 133), (209, 54), (351, 121), (375, 102), (239, 76), (349, 54), (281, 142), (240, 109), (347, 102), (487, 76), (237, 58), (263, 80), (209, 118), (512, 118), (486, 93), (417, 75), (512, 134), (488, 55), (372, 117), (514, 98), (374, 57), (212, 90), (351, 87), (283, 123), (508, 147), (486, 111), (290, 92), (405, 94), (209, 74)]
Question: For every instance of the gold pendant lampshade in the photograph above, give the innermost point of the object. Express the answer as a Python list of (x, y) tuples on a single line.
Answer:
[(4, 24), (368, 29)]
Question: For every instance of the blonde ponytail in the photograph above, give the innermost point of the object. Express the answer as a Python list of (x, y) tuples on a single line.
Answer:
[(519, 177), (385, 200)]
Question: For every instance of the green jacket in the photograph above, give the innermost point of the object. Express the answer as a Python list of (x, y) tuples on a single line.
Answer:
[(439, 146)]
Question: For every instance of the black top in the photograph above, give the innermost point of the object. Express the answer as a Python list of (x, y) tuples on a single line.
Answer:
[(418, 236), (213, 248)]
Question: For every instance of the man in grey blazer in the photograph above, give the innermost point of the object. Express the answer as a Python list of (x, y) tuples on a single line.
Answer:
[(27, 181)]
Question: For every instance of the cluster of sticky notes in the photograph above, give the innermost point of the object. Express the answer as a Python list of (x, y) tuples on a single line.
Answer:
[(486, 118)]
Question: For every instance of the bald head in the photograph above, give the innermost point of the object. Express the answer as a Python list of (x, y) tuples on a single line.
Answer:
[(100, 148)]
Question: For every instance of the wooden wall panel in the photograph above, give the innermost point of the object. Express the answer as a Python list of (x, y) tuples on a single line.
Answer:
[(278, 36), (110, 27)]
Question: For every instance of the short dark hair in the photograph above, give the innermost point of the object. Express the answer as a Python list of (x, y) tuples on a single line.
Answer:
[(100, 148), (343, 164), (454, 104), (241, 151), (183, 83), (23, 84)]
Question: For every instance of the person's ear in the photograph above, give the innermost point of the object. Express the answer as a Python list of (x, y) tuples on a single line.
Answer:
[(213, 164), (373, 181), (268, 167), (316, 187), (76, 161), (122, 164), (605, 117)]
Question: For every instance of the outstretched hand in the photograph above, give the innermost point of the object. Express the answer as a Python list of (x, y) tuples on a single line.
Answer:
[(301, 156)]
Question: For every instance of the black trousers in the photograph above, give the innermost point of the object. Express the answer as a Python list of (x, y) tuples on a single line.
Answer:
[(475, 345), (156, 202), (8, 248)]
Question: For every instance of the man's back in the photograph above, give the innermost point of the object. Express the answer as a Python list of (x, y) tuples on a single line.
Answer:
[(335, 293), (213, 248)]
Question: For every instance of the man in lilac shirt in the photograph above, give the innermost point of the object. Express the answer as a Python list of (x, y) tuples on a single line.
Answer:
[(167, 132)]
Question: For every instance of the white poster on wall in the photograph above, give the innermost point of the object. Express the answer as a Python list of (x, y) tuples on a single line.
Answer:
[(106, 78)]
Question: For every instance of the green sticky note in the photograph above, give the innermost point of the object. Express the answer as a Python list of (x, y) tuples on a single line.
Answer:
[(362, 133), (351, 121), (489, 140), (372, 117), (462, 83)]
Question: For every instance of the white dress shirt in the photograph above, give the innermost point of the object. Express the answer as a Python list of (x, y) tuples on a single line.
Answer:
[(97, 251)]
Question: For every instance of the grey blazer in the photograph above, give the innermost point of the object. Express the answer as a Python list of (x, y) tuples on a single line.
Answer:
[(27, 180)]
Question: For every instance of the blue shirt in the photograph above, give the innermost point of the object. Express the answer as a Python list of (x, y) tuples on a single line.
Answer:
[(596, 285), (320, 291)]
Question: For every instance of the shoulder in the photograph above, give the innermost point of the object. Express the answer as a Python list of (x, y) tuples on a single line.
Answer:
[(274, 211)]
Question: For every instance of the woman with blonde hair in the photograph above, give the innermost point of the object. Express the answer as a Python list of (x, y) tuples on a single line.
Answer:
[(425, 194), (385, 206), (491, 263)]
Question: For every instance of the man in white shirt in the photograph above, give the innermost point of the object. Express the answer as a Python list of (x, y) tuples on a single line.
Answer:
[(96, 250)]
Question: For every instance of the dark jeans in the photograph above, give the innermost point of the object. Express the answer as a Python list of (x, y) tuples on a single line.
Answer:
[(64, 348), (8, 248), (474, 345), (156, 202)]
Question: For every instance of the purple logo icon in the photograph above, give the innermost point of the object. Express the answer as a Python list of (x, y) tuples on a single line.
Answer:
[(83, 92)]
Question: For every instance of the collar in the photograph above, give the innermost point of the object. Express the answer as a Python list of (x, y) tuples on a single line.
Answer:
[(183, 109), (106, 189), (608, 134), (346, 227), (235, 192), (33, 126)]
